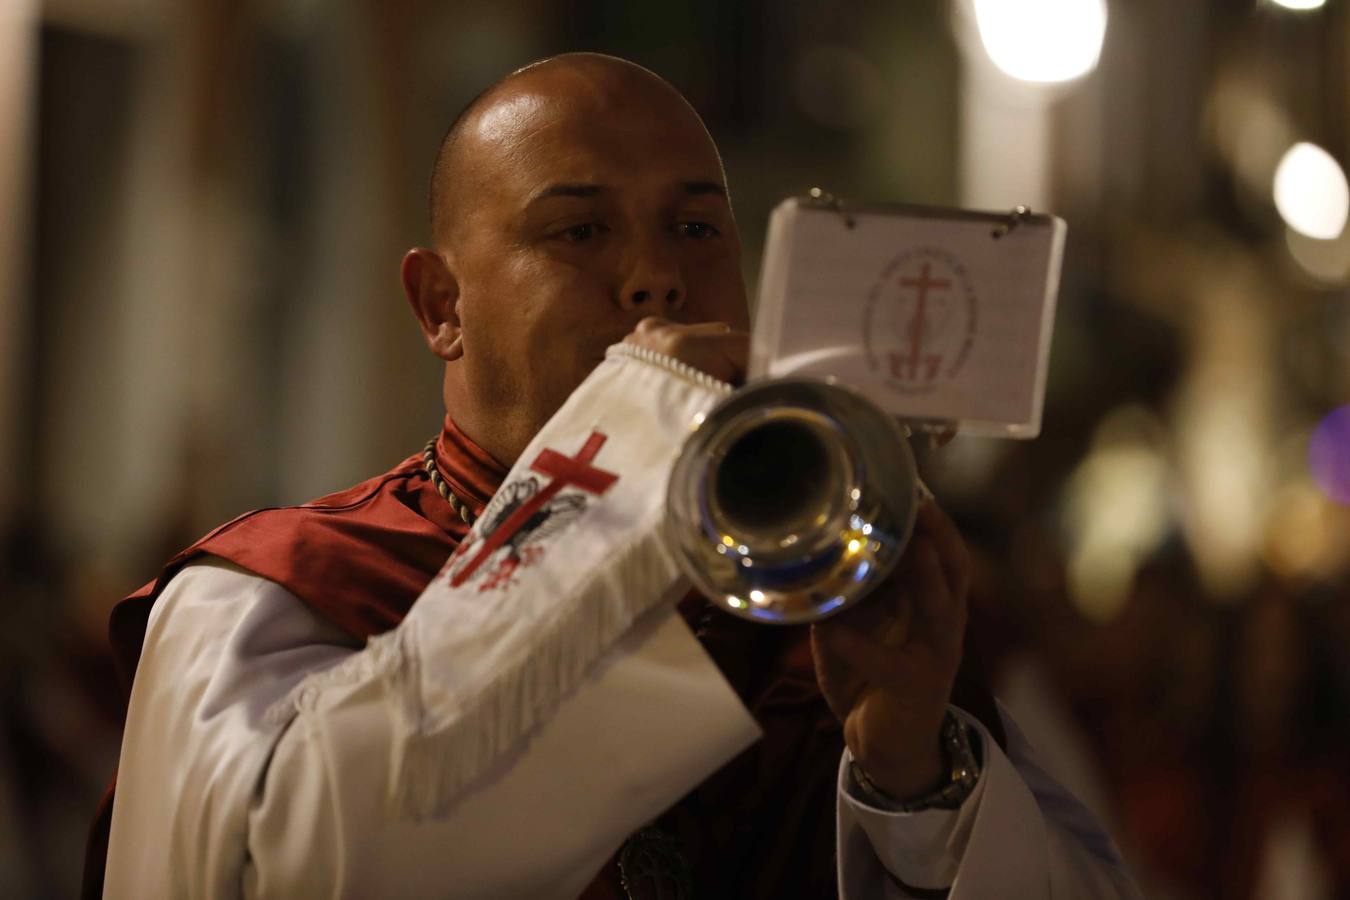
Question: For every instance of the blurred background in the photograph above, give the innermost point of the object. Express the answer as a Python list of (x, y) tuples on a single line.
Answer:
[(203, 204)]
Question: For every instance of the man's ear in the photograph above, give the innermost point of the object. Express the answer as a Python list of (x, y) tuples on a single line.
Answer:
[(433, 292)]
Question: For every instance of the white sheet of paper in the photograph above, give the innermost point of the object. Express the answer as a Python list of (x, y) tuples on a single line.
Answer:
[(923, 310)]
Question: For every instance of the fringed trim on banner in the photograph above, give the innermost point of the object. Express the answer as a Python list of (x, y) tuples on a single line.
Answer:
[(435, 762), (696, 377)]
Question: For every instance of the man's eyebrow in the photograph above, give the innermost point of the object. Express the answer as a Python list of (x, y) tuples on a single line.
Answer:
[(698, 188), (580, 189), (567, 190)]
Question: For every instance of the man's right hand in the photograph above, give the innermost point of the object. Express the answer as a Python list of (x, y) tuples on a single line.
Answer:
[(711, 347)]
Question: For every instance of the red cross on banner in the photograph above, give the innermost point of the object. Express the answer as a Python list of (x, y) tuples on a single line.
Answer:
[(564, 470), (922, 285)]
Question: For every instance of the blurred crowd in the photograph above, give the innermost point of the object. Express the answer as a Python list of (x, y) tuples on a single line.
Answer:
[(1213, 737)]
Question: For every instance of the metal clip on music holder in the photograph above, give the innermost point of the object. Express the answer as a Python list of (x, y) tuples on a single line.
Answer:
[(1016, 216), (819, 197)]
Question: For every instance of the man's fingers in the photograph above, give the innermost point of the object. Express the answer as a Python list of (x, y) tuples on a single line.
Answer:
[(712, 347), (869, 658), (702, 328), (654, 325), (723, 355), (873, 661), (884, 613), (940, 614), (951, 549)]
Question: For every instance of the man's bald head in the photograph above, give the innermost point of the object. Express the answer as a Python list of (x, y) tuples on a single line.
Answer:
[(570, 200), (606, 81)]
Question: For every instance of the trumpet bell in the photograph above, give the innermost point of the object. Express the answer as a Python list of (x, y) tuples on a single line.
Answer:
[(791, 500)]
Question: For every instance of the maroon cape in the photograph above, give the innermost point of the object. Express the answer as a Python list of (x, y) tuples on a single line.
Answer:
[(761, 826)]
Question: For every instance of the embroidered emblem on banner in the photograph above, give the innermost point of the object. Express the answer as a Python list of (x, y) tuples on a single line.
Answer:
[(920, 321), (527, 511)]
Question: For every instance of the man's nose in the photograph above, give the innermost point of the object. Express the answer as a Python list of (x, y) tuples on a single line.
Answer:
[(654, 283)]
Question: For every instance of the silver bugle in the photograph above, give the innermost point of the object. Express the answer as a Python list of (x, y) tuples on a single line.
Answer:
[(791, 500)]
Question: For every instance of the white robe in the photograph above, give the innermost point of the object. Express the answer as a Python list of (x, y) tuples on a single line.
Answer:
[(215, 798), (268, 755)]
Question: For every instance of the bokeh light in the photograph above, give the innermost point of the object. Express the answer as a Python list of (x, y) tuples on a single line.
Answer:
[(1251, 130), (1326, 262), (1329, 455), (1311, 192), (1305, 534), (1042, 40), (1116, 511), (1299, 4)]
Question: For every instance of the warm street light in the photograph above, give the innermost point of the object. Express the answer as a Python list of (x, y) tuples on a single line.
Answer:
[(1042, 40)]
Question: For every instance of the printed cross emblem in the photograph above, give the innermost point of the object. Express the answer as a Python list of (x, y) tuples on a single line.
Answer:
[(917, 357), (564, 470)]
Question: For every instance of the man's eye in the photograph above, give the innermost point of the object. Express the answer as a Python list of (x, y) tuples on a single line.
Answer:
[(699, 231), (578, 233)]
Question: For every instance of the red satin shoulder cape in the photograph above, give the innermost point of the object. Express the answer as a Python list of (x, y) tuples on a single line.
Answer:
[(359, 557)]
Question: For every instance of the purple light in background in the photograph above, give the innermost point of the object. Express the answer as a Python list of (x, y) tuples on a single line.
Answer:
[(1329, 455)]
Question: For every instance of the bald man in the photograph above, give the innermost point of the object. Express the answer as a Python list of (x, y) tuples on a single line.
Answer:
[(314, 713)]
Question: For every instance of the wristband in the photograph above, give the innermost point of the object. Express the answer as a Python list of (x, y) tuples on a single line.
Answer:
[(957, 750)]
